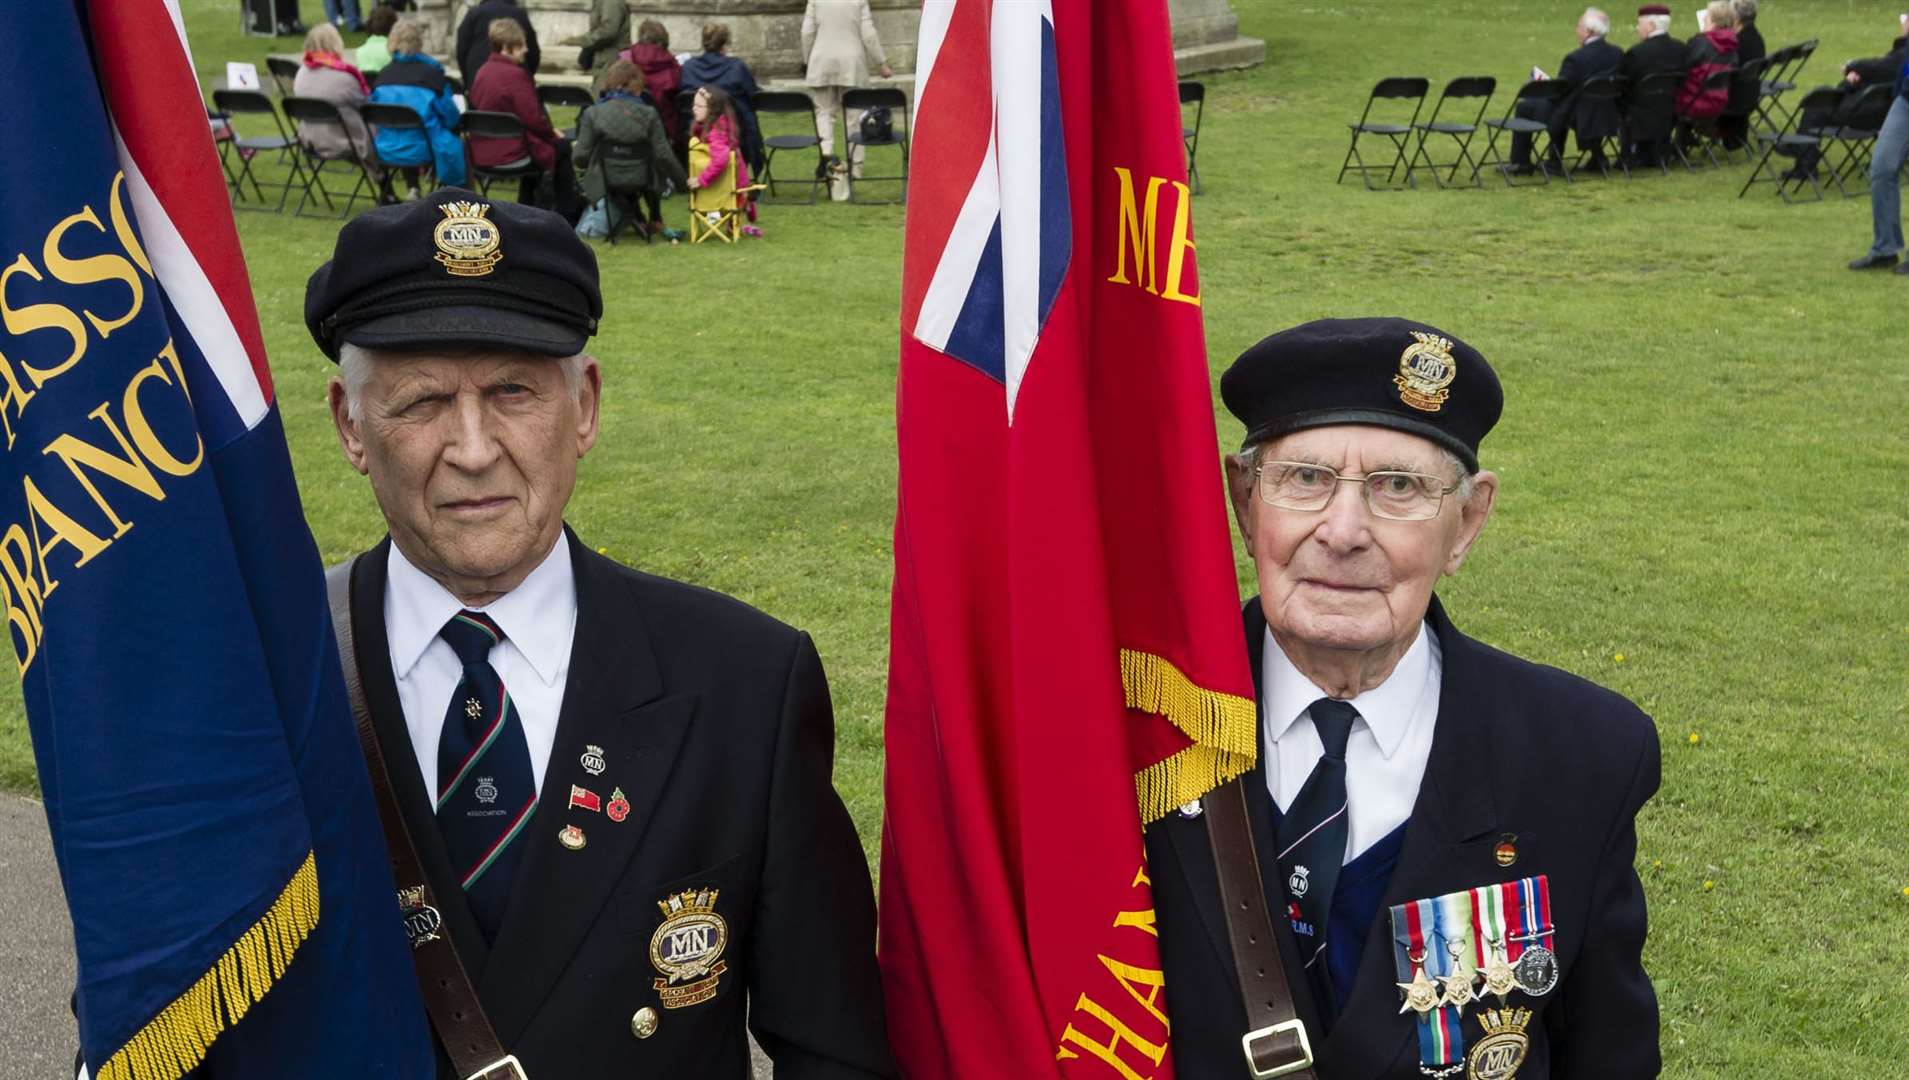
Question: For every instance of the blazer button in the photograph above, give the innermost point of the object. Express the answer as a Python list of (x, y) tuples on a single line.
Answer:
[(643, 1022)]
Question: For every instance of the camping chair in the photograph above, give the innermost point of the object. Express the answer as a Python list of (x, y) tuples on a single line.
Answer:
[(478, 124), (231, 103), (1459, 131), (1803, 145), (789, 103), (715, 209), (282, 70), (384, 114), (1855, 137), (565, 97), (1194, 94), (1650, 117), (1551, 91), (1400, 135), (320, 113), (854, 102), (1608, 88)]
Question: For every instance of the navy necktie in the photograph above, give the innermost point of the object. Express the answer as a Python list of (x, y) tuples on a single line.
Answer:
[(1312, 841), (486, 791)]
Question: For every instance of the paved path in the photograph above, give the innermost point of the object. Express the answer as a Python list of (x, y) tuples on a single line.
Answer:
[(37, 1036)]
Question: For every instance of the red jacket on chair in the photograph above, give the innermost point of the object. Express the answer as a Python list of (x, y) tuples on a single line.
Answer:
[(502, 85)]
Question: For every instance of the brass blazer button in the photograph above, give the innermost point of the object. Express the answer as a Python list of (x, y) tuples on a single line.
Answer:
[(643, 1022)]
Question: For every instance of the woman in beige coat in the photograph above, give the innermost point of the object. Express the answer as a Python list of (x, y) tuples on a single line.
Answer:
[(838, 41), (326, 76)]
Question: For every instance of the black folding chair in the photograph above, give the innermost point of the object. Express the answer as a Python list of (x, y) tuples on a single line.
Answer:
[(1603, 145), (854, 102), (1708, 137), (1737, 123), (789, 103), (1801, 148), (380, 115), (223, 133), (1854, 138), (478, 124), (1194, 94), (456, 84), (316, 112), (232, 103), (1551, 91), (1650, 119), (564, 97), (1398, 90), (283, 70), (1461, 131), (1782, 76)]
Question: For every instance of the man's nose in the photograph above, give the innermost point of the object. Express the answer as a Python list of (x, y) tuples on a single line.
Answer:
[(1345, 521), (471, 445)]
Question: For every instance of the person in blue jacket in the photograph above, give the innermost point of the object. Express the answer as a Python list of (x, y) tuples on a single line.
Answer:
[(416, 81)]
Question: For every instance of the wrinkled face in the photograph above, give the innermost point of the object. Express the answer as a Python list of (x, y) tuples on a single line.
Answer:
[(472, 458), (1341, 578)]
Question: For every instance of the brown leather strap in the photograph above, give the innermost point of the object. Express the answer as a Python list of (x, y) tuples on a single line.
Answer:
[(449, 997), (1275, 1043)]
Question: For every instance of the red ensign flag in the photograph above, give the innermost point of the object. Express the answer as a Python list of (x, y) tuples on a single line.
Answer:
[(1065, 631)]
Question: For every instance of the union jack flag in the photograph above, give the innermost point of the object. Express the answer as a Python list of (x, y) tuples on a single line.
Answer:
[(990, 227)]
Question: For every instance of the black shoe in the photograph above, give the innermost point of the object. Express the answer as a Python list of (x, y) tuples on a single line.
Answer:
[(293, 28), (1525, 169), (1902, 268), (1874, 262)]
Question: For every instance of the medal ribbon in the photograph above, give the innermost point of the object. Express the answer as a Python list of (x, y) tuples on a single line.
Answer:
[(1415, 933), (1534, 907), (1488, 922), (1455, 925), (1452, 923)]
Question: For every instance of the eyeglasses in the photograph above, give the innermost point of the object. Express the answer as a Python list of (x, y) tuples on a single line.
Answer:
[(1396, 496)]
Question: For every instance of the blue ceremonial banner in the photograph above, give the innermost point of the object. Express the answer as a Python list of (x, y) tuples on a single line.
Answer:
[(233, 906)]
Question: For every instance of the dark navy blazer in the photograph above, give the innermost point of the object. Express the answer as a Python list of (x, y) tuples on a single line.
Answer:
[(1557, 765)]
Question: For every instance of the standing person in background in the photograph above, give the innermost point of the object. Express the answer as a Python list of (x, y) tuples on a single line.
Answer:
[(1885, 169), (662, 77), (715, 67), (375, 53), (502, 85), (1749, 39), (344, 13), (838, 43), (473, 37), (609, 32), (286, 22), (418, 82), (325, 75)]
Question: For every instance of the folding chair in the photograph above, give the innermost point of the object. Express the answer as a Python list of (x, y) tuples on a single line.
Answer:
[(478, 124), (1738, 118), (456, 84), (1772, 115), (565, 97), (1803, 144), (232, 103), (1395, 89), (379, 115), (1194, 94), (1707, 140), (320, 113), (789, 103), (1461, 133), (1609, 88), (222, 134), (1551, 91), (283, 70), (854, 102), (1856, 136), (1650, 117)]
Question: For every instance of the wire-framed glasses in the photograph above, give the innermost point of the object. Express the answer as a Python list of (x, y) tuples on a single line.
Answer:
[(1390, 494)]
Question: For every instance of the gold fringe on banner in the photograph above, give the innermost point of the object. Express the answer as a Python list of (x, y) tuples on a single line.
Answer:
[(175, 1041), (1224, 729)]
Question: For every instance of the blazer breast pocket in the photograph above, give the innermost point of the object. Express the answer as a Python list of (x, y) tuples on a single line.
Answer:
[(690, 929)]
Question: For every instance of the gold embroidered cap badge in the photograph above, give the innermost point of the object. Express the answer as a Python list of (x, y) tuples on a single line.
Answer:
[(1426, 370), (467, 239)]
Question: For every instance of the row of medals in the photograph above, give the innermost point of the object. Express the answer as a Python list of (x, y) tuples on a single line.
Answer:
[(1498, 1055)]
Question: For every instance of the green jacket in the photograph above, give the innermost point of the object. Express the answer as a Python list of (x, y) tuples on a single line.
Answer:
[(609, 30), (624, 138)]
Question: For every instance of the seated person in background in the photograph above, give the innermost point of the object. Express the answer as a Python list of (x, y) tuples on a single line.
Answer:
[(375, 53), (715, 67), (715, 128), (662, 77), (325, 75), (1593, 56), (1858, 75), (622, 118), (418, 82), (609, 31), (1656, 52), (1749, 39), (1708, 52), (502, 85)]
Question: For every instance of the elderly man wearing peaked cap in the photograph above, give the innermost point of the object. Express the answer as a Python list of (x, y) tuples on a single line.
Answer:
[(1429, 871), (596, 778)]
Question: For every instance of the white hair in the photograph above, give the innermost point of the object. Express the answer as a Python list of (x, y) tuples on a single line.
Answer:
[(1658, 24), (1248, 458), (1596, 22), (1746, 9), (354, 367)]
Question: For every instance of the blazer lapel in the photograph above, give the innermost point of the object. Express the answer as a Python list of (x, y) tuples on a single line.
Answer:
[(394, 740), (613, 701)]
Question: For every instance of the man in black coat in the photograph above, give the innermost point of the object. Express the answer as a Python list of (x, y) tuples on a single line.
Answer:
[(1648, 126), (1590, 119), (1421, 780), (474, 37), (618, 785)]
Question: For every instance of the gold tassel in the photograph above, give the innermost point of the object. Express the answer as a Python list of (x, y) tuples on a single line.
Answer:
[(1224, 729), (176, 1041)]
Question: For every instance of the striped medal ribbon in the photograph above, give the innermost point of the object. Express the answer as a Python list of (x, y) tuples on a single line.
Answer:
[(1423, 963), (1528, 917)]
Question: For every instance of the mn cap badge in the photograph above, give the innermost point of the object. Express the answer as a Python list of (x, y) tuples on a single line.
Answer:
[(1426, 370), (687, 948), (467, 239)]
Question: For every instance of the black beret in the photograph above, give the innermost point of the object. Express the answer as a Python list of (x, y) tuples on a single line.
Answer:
[(456, 269), (1388, 372)]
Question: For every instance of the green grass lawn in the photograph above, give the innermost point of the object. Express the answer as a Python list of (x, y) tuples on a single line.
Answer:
[(1703, 501)]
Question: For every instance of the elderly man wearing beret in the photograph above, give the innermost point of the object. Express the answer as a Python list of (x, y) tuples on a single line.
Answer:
[(1429, 871), (607, 795)]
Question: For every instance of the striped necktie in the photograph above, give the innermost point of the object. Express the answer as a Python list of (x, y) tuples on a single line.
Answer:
[(1312, 841), (486, 790)]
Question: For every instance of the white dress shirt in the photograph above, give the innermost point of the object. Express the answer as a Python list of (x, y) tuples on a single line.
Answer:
[(1386, 755), (539, 620)]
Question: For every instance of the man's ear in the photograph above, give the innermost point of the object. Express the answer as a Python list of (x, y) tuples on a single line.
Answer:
[(1239, 491), (1472, 517), (348, 440), (589, 405)]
